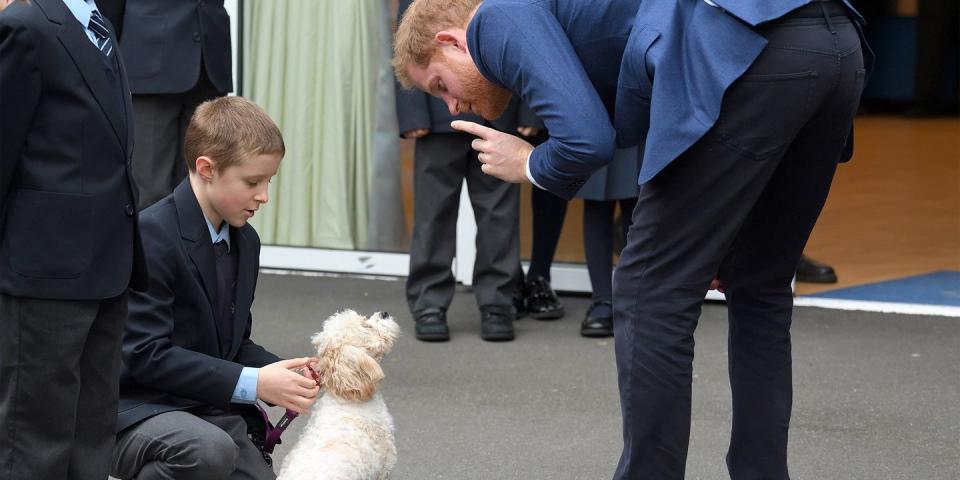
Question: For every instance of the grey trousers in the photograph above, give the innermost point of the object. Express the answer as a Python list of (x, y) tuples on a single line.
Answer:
[(441, 163), (160, 123), (183, 446), (59, 376)]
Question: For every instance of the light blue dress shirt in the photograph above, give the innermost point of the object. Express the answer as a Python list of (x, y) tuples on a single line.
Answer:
[(246, 389), (83, 9), (222, 234)]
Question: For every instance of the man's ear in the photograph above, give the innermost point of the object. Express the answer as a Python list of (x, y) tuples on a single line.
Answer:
[(205, 167), (456, 38)]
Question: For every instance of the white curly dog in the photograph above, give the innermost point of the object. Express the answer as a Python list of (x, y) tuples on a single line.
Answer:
[(349, 434)]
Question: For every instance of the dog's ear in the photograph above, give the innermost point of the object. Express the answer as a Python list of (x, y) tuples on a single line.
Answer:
[(351, 373)]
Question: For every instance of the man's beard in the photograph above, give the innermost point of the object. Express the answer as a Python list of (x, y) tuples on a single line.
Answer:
[(486, 99)]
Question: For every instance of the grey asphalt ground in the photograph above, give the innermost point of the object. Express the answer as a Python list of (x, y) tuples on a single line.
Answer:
[(875, 396)]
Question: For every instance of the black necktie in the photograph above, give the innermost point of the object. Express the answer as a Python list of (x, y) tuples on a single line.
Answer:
[(221, 248), (99, 28)]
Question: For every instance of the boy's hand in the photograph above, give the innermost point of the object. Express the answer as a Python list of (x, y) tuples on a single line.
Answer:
[(278, 385), (310, 370)]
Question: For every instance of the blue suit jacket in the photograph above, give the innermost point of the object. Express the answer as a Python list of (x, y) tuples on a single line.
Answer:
[(599, 83)]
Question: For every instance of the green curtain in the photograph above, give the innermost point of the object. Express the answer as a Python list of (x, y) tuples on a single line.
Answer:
[(316, 66)]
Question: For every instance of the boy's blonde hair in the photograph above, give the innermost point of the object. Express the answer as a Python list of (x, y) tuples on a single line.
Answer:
[(413, 42), (230, 130)]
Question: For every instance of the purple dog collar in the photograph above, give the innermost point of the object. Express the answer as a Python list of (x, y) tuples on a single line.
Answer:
[(273, 432)]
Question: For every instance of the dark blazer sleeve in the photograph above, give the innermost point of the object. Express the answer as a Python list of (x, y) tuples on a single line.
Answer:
[(152, 357), (252, 354), (19, 94), (413, 106), (413, 109)]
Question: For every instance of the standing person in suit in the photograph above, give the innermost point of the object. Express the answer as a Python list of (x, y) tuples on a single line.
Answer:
[(743, 109), (69, 245), (442, 160), (179, 55), (191, 373)]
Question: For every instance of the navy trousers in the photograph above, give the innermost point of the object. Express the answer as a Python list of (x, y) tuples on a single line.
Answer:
[(739, 205)]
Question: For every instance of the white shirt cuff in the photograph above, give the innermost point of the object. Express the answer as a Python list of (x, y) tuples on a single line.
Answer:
[(530, 175)]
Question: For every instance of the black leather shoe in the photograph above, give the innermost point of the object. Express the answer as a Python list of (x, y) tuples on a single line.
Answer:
[(432, 327), (496, 323), (598, 325), (542, 301), (810, 270)]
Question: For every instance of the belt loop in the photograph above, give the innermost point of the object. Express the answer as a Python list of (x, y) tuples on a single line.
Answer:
[(826, 16)]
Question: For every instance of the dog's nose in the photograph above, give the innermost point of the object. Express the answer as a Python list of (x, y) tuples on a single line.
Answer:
[(384, 315)]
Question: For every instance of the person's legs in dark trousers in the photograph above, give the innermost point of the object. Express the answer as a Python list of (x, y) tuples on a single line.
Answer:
[(59, 373), (745, 196), (938, 31), (439, 167), (182, 446), (549, 212), (598, 234), (160, 123), (534, 294), (496, 208), (598, 246)]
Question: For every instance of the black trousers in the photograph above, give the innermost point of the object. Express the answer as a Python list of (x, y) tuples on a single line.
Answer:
[(161, 122), (599, 232), (441, 163), (59, 384), (740, 204), (938, 31)]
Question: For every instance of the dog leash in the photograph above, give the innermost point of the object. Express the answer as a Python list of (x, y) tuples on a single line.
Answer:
[(273, 433)]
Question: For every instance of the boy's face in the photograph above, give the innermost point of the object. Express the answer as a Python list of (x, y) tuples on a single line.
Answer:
[(236, 192)]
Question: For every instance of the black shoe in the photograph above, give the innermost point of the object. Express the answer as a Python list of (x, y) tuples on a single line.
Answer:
[(598, 325), (496, 323), (542, 301), (810, 270), (432, 327)]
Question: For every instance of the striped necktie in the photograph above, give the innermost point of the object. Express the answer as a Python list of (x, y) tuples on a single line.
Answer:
[(99, 28)]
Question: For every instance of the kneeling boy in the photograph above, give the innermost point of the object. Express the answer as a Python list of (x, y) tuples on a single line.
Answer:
[(190, 371)]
